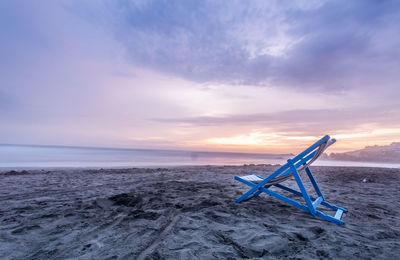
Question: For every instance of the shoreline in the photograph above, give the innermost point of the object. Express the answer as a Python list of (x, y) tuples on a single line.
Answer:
[(34, 168)]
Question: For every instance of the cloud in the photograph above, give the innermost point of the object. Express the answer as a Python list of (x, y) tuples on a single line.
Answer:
[(69, 69), (330, 45), (304, 122)]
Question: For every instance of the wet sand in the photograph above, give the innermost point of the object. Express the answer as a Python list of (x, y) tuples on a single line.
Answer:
[(189, 213)]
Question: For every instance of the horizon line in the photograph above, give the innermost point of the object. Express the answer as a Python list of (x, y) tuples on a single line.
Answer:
[(140, 149)]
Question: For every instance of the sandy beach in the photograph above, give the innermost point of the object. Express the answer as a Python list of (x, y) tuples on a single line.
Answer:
[(189, 213)]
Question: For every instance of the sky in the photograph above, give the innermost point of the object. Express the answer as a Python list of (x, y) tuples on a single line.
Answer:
[(239, 76)]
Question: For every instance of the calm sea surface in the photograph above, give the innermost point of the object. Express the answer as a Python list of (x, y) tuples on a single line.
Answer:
[(12, 156)]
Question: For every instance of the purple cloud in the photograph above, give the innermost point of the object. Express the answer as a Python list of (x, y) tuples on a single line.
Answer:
[(303, 121), (333, 46)]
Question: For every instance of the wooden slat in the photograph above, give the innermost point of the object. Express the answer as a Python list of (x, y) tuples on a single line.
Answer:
[(252, 178), (317, 202), (338, 214)]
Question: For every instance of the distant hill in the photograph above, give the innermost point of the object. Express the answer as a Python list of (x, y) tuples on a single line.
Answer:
[(385, 153)]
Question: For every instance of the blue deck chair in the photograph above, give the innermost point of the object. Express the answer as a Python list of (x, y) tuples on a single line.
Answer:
[(294, 167)]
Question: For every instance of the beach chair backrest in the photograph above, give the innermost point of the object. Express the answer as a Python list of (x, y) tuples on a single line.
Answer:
[(318, 152), (304, 159)]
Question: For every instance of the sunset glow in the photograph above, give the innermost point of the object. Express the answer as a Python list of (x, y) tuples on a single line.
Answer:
[(258, 140)]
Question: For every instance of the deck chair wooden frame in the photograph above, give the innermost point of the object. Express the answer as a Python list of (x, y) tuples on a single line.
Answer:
[(294, 167)]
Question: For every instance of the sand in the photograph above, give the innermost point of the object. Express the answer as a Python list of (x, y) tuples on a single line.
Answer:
[(189, 213)]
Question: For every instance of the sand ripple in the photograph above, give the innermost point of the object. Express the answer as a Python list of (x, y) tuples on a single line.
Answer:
[(189, 213)]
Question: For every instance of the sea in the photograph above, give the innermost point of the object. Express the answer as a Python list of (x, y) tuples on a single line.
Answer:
[(37, 156)]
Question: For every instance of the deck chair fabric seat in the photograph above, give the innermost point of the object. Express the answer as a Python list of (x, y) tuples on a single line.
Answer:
[(252, 178), (293, 168)]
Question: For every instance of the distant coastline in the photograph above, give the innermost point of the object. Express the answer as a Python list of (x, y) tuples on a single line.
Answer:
[(381, 154)]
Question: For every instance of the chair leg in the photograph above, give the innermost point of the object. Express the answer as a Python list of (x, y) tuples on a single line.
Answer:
[(314, 183), (252, 196), (302, 188)]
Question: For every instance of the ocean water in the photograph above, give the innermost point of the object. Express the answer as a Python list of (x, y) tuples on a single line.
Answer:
[(19, 156), (61, 156)]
